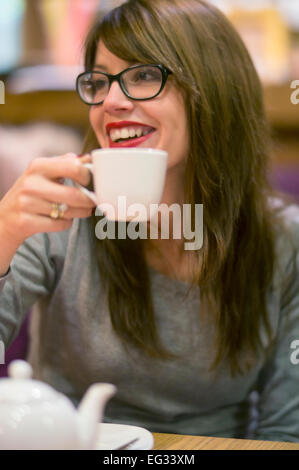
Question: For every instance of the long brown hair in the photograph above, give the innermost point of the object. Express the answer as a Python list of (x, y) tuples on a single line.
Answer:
[(226, 171)]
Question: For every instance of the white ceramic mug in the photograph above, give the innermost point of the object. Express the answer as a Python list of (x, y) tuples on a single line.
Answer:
[(128, 182)]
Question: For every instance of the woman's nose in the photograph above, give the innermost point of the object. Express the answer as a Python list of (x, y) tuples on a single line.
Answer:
[(116, 100)]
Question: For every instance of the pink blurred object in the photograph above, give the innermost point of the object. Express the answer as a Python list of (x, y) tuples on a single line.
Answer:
[(67, 23), (19, 145)]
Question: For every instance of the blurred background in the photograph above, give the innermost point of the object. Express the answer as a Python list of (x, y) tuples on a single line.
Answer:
[(41, 45)]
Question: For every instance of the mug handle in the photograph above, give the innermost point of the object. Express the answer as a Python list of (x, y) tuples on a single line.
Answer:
[(84, 190)]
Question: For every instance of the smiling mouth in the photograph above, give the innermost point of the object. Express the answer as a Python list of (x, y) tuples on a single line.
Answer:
[(131, 135), (128, 133)]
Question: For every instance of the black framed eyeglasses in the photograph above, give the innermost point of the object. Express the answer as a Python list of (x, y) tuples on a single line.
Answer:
[(138, 82)]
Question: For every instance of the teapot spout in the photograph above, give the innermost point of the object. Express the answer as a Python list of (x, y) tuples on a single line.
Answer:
[(91, 411)]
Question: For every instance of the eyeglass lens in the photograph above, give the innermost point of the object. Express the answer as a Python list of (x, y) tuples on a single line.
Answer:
[(141, 82)]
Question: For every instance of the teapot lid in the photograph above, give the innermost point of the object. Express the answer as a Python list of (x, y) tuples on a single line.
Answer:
[(21, 388)]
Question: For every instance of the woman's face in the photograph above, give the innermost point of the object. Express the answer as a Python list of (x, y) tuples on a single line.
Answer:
[(164, 116)]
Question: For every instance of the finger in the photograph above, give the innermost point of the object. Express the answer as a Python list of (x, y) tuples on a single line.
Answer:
[(42, 207), (66, 155), (85, 158), (41, 223), (41, 188), (60, 167)]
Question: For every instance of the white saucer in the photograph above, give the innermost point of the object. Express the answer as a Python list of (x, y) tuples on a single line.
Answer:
[(112, 436)]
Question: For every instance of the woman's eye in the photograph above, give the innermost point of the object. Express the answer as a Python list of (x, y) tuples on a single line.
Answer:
[(146, 76), (99, 84), (92, 86)]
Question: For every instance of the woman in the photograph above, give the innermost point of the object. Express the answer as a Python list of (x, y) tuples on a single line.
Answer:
[(122, 311)]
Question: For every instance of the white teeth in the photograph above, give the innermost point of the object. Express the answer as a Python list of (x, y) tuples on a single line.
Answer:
[(116, 134), (124, 133), (127, 132)]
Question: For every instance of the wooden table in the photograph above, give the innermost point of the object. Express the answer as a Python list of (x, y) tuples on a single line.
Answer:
[(181, 442)]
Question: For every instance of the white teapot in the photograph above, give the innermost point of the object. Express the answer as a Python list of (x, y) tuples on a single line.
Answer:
[(35, 416)]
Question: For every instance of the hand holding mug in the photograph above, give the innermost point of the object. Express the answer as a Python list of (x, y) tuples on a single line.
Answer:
[(27, 207)]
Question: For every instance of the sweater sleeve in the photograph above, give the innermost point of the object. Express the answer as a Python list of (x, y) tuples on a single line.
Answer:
[(279, 380), (32, 274)]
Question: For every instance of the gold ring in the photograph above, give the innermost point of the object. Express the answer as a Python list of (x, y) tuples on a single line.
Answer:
[(58, 210)]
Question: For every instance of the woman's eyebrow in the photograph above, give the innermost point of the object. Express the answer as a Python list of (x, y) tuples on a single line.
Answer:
[(100, 66), (105, 68)]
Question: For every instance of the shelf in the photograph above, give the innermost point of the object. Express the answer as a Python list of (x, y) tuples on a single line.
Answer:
[(65, 107), (281, 112), (61, 107)]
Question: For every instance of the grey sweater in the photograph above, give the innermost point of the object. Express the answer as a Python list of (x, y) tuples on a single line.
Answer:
[(73, 344)]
